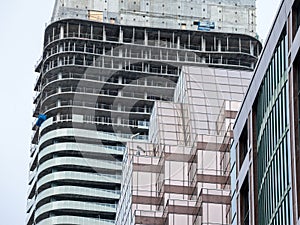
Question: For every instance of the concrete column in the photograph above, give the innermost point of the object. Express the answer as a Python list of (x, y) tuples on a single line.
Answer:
[(61, 35), (215, 43), (104, 33), (79, 30), (227, 44), (120, 79), (58, 116), (219, 45), (120, 55), (60, 61), (120, 92), (251, 48), (173, 40), (67, 29), (119, 120), (146, 37), (240, 45), (92, 32), (145, 54), (158, 39), (203, 44), (133, 35), (59, 75), (119, 107), (121, 35), (178, 42)]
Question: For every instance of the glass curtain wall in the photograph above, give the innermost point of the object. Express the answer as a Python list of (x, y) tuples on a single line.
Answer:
[(273, 147)]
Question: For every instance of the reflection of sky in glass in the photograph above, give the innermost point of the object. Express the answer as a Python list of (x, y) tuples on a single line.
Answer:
[(22, 25)]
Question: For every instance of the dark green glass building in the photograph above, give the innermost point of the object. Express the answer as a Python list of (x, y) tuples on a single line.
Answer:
[(265, 163)]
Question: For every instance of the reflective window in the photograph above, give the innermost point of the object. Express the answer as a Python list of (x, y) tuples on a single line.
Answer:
[(273, 142)]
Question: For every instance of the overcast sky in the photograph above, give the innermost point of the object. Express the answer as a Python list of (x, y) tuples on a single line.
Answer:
[(22, 25)]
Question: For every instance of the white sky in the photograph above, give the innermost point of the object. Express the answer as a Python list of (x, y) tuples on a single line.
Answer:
[(22, 26)]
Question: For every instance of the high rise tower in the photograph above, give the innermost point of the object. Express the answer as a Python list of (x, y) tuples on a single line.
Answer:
[(104, 65)]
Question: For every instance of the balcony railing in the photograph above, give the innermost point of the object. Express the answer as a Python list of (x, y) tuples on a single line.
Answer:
[(113, 63), (97, 91), (72, 103), (107, 120), (33, 149), (109, 134), (156, 43), (109, 80)]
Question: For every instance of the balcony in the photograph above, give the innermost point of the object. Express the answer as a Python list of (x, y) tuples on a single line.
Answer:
[(30, 204), (233, 56), (110, 97), (35, 137), (109, 63), (34, 161), (81, 177), (36, 97), (148, 217), (32, 176), (37, 82), (33, 148), (214, 196), (97, 91), (38, 64), (75, 220), (240, 43)]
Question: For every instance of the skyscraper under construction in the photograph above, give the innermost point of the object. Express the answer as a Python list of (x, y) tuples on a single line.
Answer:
[(107, 70)]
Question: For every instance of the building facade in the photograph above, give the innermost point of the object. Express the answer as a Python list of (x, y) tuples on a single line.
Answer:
[(98, 82), (182, 176), (265, 153), (230, 16)]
